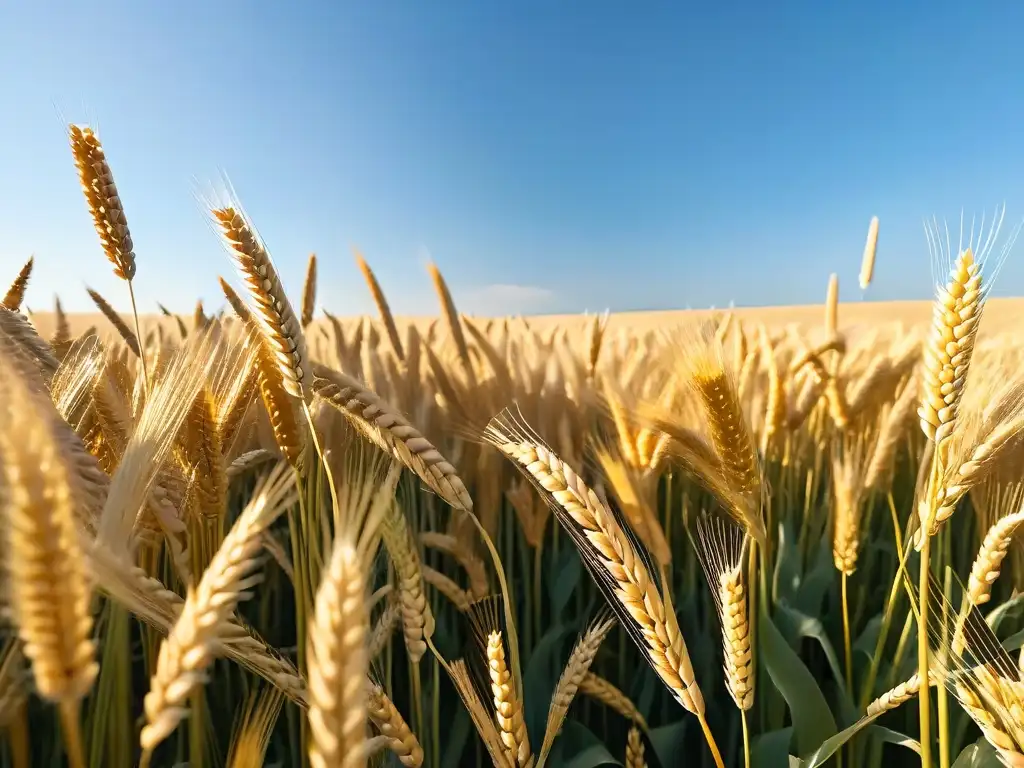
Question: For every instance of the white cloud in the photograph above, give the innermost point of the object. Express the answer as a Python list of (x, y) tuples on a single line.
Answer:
[(505, 299)]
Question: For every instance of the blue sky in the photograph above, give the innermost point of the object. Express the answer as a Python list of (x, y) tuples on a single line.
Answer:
[(548, 156)]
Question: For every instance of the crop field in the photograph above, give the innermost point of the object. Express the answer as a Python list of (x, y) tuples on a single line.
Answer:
[(274, 536)]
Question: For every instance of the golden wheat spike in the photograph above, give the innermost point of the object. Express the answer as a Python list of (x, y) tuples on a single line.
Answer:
[(338, 661), (16, 293), (104, 204), (392, 432), (382, 305), (126, 333), (309, 292), (832, 307), (606, 547), (867, 266), (282, 333), (48, 588)]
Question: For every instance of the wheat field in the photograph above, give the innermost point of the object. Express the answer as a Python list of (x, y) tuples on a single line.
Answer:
[(274, 536)]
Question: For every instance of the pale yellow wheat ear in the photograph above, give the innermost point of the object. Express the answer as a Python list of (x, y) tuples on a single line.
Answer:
[(199, 632), (16, 293), (847, 495), (832, 307), (164, 412), (947, 357), (701, 362), (382, 305), (576, 668), (282, 332), (616, 560), (721, 547), (48, 585), (451, 317), (254, 728), (392, 432), (309, 292), (867, 265), (126, 333)]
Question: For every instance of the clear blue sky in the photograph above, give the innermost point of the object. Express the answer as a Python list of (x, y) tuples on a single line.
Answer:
[(549, 156)]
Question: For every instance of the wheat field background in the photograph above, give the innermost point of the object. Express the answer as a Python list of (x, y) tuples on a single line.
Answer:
[(777, 537)]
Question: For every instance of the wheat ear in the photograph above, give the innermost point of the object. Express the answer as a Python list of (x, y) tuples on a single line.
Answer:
[(576, 667), (867, 265), (389, 721), (103, 201), (274, 314), (61, 340), (16, 293), (417, 618), (199, 631), (338, 663), (309, 292), (20, 332), (382, 305), (126, 333), (985, 569), (730, 435), (451, 317), (634, 749), (610, 553), (722, 547), (895, 696), (48, 586), (390, 430), (508, 705)]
